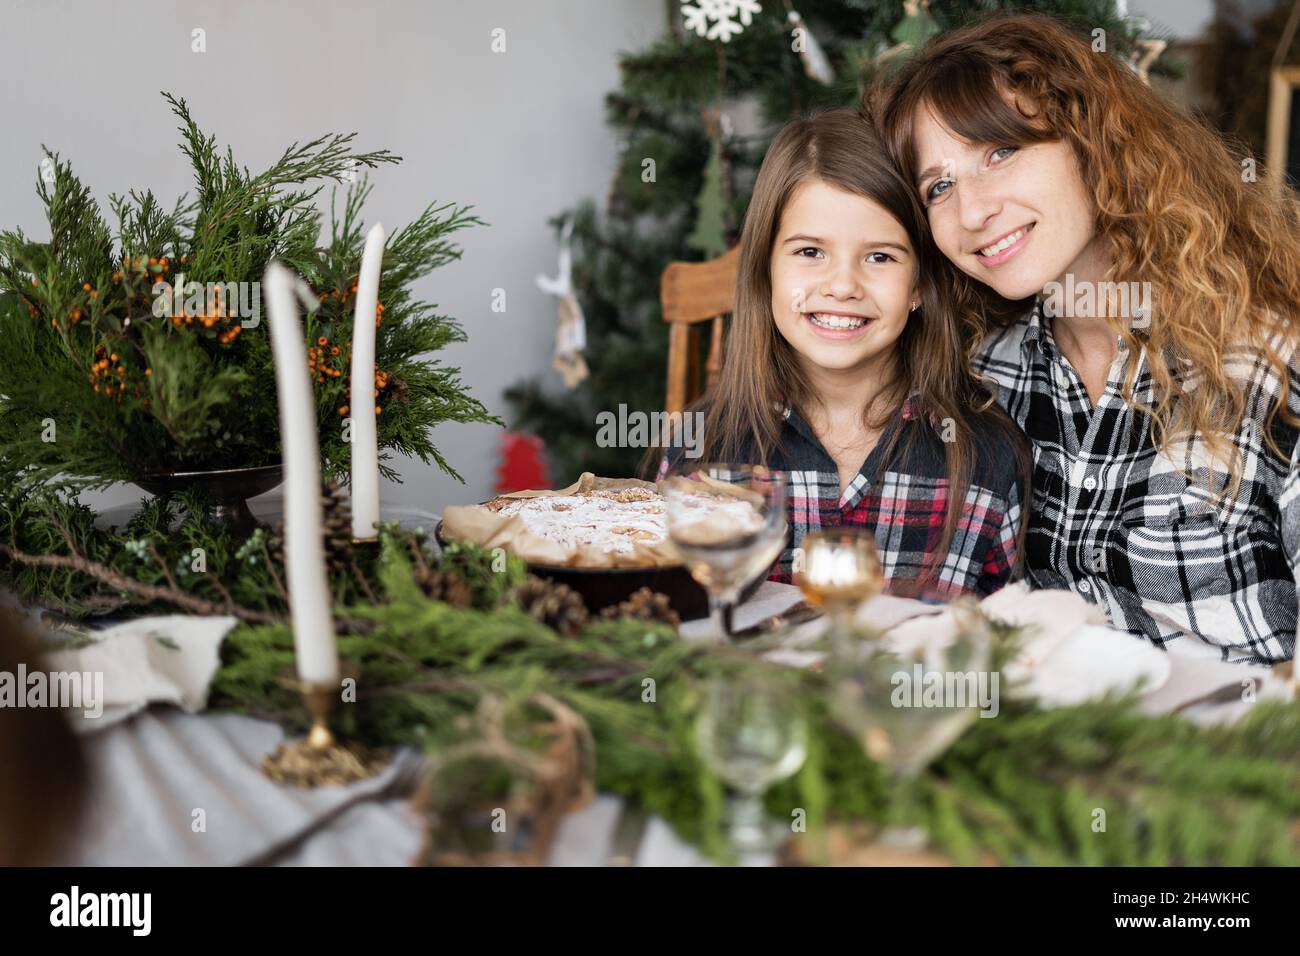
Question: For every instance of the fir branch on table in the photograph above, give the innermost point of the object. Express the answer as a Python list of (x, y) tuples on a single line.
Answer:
[(52, 554), (167, 557), (1022, 788)]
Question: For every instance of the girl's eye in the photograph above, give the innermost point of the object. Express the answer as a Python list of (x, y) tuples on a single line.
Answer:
[(1003, 152), (937, 189), (808, 249), (883, 257)]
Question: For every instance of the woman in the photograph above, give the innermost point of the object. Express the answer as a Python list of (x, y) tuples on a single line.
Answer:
[(845, 369), (1133, 297)]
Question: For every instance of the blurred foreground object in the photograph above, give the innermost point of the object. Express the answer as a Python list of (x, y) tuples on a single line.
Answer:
[(42, 786)]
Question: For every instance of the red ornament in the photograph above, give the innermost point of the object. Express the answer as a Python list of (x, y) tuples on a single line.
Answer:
[(523, 464)]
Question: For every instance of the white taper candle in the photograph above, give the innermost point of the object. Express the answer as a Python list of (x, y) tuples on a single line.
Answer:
[(310, 604), (365, 432)]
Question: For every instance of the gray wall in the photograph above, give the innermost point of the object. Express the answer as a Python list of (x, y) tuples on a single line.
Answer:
[(520, 135), (1183, 19)]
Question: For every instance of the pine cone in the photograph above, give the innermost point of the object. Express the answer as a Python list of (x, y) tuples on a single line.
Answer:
[(337, 514), (446, 586), (337, 507), (644, 605), (557, 606)]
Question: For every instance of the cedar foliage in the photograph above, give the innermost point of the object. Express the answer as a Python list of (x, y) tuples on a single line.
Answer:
[(1023, 787), (103, 380)]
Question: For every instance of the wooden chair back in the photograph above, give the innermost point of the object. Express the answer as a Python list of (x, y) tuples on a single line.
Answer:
[(692, 293)]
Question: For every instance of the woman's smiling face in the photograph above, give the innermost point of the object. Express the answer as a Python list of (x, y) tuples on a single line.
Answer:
[(1012, 217), (843, 278)]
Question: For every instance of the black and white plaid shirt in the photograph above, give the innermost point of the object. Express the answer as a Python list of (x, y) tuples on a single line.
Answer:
[(1117, 522)]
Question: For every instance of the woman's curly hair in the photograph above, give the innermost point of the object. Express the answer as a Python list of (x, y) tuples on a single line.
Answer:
[(1173, 202)]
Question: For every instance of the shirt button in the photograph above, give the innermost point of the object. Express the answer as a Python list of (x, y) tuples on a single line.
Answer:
[(1085, 587), (1090, 483)]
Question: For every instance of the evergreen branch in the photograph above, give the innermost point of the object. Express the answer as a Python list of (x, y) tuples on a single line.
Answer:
[(1021, 789), (150, 593), (133, 394)]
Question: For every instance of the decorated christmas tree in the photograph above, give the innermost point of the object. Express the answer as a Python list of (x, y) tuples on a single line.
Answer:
[(689, 151)]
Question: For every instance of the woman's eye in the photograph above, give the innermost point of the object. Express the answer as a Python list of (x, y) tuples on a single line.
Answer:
[(1002, 152), (808, 252), (880, 257), (937, 189)]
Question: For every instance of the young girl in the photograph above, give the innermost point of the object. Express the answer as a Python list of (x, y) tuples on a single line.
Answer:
[(845, 369), (1133, 288)]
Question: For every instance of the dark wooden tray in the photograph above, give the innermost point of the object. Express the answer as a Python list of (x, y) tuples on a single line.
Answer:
[(604, 587)]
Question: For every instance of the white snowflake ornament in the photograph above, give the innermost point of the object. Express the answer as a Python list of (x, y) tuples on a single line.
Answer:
[(719, 19)]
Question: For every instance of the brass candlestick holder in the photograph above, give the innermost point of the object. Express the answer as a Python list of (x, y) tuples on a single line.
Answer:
[(840, 569), (319, 759)]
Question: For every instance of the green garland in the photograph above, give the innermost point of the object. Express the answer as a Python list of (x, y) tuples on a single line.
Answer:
[(167, 557), (1023, 787), (97, 388)]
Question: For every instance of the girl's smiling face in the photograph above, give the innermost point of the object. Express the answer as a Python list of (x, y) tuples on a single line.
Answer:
[(843, 279), (1012, 217)]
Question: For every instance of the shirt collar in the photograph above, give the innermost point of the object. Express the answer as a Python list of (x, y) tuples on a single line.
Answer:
[(1038, 334)]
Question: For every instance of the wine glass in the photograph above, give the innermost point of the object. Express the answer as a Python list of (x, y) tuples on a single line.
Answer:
[(728, 524), (751, 733), (837, 569), (908, 705)]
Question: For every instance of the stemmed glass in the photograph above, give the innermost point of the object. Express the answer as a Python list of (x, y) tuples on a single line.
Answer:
[(728, 523), (751, 734), (907, 707), (837, 570)]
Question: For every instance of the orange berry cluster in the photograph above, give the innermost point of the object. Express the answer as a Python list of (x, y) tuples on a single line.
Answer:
[(108, 375), (318, 360), (144, 266), (74, 314), (381, 382), (158, 265), (210, 317), (349, 293)]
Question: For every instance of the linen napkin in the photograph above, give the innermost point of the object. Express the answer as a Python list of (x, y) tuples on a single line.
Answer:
[(162, 659)]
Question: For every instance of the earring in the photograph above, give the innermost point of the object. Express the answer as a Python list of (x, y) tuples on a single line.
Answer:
[(915, 306)]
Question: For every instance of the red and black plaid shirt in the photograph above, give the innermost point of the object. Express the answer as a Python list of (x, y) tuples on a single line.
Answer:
[(905, 502)]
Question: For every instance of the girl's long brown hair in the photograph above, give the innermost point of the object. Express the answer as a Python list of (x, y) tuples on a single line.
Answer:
[(1173, 205), (761, 372)]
